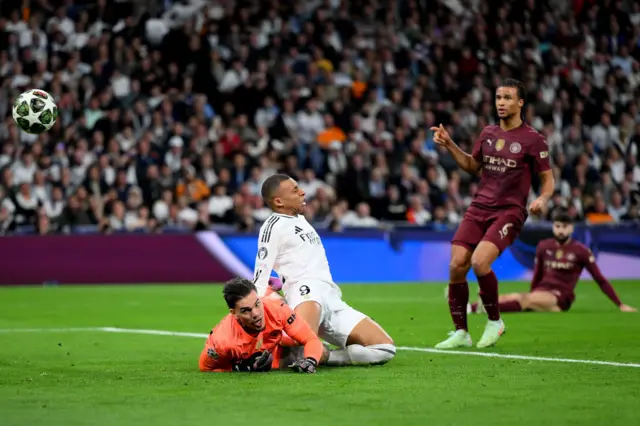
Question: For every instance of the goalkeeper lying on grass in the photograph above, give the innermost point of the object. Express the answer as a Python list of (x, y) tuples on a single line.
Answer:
[(248, 338)]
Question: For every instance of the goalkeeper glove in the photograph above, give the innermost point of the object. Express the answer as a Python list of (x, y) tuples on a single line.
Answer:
[(275, 283), (260, 362), (307, 365)]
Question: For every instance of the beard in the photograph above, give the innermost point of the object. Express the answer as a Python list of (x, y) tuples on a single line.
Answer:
[(562, 239)]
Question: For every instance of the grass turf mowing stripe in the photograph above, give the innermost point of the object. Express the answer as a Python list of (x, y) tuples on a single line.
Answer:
[(402, 348)]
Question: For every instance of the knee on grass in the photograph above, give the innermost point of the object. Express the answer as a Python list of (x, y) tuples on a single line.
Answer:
[(382, 352), (378, 354)]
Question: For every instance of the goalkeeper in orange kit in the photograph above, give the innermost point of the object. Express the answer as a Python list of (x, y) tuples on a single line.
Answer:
[(249, 338)]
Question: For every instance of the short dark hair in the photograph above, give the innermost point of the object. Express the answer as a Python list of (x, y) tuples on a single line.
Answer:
[(271, 185), (512, 82), (236, 289), (562, 216)]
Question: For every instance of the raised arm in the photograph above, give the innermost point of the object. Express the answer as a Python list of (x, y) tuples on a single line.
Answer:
[(470, 163)]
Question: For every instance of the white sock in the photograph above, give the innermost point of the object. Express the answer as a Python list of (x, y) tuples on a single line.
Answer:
[(362, 355)]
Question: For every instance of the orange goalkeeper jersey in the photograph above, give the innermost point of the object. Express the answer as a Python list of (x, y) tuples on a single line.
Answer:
[(228, 343)]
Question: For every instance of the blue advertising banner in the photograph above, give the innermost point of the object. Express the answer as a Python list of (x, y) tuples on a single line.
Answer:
[(364, 259), (411, 255), (356, 256)]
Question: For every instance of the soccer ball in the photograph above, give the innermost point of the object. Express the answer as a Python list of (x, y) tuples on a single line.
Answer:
[(35, 111)]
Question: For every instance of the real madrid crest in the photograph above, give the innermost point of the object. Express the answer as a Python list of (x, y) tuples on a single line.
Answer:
[(262, 253), (499, 144), (515, 148), (559, 254)]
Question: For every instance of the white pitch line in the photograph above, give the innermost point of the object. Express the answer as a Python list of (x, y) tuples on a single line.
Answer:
[(49, 330), (402, 348), (154, 332), (522, 357)]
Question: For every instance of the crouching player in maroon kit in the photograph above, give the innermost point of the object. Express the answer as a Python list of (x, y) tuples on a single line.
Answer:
[(559, 263), (507, 156)]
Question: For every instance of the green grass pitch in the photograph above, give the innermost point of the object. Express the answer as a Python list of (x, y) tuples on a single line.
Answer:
[(98, 378)]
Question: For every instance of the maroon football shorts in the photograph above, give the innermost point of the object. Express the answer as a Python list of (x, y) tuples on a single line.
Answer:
[(565, 298), (501, 227)]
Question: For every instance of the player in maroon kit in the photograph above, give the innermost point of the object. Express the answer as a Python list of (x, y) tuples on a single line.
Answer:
[(559, 263), (507, 156)]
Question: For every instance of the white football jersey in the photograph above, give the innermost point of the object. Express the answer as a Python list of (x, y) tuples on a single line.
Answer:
[(290, 246)]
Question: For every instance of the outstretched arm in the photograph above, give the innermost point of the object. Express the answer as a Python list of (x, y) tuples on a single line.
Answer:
[(467, 162), (605, 285)]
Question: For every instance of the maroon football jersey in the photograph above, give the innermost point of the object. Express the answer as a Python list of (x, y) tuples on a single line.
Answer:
[(509, 159), (559, 266)]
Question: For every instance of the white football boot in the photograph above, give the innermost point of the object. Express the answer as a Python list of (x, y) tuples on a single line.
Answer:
[(492, 332), (457, 339)]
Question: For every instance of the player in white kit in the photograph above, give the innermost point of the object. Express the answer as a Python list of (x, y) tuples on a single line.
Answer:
[(289, 245)]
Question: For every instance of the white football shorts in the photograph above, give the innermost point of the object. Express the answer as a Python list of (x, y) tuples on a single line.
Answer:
[(337, 319)]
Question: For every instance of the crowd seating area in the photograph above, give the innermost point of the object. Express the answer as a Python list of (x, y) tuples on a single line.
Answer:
[(173, 113)]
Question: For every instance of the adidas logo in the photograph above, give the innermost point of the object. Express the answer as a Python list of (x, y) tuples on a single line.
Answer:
[(298, 230)]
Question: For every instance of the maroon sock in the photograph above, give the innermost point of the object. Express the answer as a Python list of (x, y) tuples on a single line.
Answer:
[(458, 299), (510, 306), (489, 295)]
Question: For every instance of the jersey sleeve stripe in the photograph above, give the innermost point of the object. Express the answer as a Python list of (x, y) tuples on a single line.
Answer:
[(266, 232), (271, 229)]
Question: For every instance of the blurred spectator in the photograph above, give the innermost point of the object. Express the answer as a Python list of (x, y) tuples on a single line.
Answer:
[(193, 188), (187, 216), (220, 203), (416, 213), (309, 184), (43, 224), (360, 218), (117, 220), (54, 207), (173, 114), (392, 207)]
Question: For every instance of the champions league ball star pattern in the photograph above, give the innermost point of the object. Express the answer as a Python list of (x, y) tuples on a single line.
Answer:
[(35, 111)]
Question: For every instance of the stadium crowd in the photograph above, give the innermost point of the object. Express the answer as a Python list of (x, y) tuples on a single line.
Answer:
[(173, 115)]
